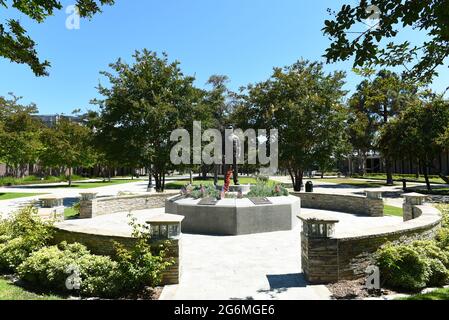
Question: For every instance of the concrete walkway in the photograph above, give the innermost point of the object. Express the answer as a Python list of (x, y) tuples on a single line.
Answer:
[(258, 266), (250, 267)]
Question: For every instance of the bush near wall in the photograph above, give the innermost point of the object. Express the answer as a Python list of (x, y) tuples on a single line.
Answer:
[(419, 264), (25, 250), (20, 235)]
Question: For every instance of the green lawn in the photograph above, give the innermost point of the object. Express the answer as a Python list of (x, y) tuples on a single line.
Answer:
[(15, 195), (90, 185), (435, 191), (399, 177), (70, 213), (196, 182), (86, 185), (9, 291), (440, 294), (5, 181), (393, 211), (354, 183)]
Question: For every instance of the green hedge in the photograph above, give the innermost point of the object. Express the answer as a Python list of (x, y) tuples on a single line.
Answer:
[(20, 235), (418, 264), (25, 250), (5, 181)]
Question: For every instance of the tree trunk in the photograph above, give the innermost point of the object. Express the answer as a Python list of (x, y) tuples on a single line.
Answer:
[(389, 171), (297, 177), (150, 178), (191, 176), (70, 177), (426, 177)]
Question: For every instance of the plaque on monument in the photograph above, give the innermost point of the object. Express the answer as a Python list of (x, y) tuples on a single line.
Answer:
[(208, 202), (260, 201), (176, 198)]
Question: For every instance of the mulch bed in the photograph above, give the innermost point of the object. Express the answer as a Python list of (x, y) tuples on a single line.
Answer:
[(354, 289), (148, 293)]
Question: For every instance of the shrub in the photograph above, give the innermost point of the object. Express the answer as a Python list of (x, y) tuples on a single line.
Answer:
[(20, 235), (442, 238), (48, 269), (431, 250), (403, 267), (414, 266), (439, 274), (141, 265), (131, 270), (267, 190), (445, 212), (201, 191)]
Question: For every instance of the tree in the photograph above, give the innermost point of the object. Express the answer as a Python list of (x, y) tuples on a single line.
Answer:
[(144, 104), (19, 135), (417, 132), (68, 145), (376, 102), (366, 46), (305, 105), (18, 47), (217, 111), (361, 133)]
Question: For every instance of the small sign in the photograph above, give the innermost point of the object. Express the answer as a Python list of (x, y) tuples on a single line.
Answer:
[(260, 201), (208, 202)]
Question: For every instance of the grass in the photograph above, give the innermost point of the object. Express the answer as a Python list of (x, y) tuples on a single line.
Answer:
[(353, 182), (439, 294), (196, 182), (399, 177), (5, 181), (70, 213), (86, 185), (8, 291), (90, 185), (393, 211), (15, 195), (435, 191)]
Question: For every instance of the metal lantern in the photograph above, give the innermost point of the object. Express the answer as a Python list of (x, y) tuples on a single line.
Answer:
[(317, 225), (166, 226)]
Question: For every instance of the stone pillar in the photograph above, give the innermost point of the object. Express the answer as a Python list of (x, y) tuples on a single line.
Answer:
[(319, 249), (52, 208), (412, 200), (88, 205), (374, 203), (168, 227)]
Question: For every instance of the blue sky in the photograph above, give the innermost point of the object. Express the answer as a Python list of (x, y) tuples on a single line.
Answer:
[(243, 39)]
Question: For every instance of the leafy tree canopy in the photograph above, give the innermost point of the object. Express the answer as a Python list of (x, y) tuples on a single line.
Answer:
[(145, 102), (305, 105), (17, 46), (367, 46)]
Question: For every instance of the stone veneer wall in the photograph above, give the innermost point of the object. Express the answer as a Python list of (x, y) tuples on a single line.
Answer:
[(342, 203), (107, 205), (346, 258), (104, 245)]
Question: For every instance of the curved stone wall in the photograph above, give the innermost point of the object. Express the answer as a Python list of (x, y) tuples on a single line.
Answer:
[(103, 244), (346, 256), (341, 203), (106, 205)]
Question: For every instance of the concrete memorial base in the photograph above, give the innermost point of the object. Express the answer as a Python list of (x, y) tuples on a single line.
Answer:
[(235, 216)]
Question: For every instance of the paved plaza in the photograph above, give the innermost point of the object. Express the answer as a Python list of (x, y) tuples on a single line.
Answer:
[(257, 266)]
